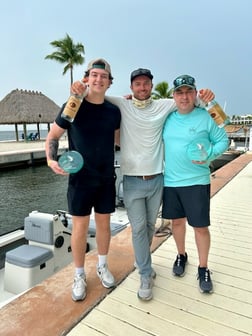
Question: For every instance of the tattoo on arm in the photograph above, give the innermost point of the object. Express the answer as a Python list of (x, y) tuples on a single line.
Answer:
[(53, 149)]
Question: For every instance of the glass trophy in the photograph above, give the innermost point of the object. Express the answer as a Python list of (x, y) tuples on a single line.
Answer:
[(198, 149), (71, 162)]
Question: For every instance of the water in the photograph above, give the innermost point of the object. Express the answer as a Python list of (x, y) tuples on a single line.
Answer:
[(25, 190), (28, 189), (35, 188)]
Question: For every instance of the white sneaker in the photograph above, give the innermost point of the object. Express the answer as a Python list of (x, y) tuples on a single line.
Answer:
[(145, 290), (79, 288), (105, 276)]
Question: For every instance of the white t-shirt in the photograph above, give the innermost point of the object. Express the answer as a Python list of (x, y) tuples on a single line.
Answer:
[(141, 135)]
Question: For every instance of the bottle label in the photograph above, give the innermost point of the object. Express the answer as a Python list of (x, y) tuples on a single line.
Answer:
[(72, 107), (217, 114)]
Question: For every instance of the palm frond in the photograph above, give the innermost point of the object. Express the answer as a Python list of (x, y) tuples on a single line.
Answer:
[(67, 53)]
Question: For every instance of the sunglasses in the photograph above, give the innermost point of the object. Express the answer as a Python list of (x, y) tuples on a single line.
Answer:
[(184, 80)]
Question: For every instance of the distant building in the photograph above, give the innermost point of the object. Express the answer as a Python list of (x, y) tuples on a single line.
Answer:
[(242, 120)]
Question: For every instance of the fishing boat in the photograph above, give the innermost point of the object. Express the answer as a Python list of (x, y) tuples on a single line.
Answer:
[(225, 158), (236, 135), (42, 246)]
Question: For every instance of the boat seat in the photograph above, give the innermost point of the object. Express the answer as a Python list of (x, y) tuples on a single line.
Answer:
[(48, 231), (26, 266)]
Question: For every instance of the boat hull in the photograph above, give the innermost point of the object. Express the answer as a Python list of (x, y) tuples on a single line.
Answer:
[(223, 159)]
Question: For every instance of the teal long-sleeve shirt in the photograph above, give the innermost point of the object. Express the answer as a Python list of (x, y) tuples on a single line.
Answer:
[(179, 131)]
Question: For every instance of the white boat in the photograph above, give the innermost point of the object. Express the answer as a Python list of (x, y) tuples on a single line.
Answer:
[(43, 247), (225, 158)]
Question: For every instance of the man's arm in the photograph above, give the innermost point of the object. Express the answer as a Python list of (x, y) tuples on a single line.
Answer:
[(219, 140), (115, 100), (51, 148)]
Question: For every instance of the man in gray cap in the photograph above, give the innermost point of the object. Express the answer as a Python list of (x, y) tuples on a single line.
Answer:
[(92, 134)]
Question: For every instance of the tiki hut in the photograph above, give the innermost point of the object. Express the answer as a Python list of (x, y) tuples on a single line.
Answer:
[(22, 107)]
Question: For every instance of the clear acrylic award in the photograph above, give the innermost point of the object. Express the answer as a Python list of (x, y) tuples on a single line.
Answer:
[(198, 149), (71, 162)]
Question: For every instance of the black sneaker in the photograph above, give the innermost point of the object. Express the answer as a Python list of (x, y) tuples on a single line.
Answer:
[(179, 265), (205, 282)]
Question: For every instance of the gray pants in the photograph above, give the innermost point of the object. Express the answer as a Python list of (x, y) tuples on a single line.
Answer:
[(142, 199)]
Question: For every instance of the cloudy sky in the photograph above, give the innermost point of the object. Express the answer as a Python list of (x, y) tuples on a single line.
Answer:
[(210, 40)]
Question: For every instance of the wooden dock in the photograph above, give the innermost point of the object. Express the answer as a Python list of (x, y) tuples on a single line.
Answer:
[(15, 154), (178, 308)]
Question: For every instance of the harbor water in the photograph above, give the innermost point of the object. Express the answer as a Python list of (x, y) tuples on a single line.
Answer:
[(28, 189)]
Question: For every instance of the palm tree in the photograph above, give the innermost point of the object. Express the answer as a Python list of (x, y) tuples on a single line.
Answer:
[(67, 52), (162, 91)]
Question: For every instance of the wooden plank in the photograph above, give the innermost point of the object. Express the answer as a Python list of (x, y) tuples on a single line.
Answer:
[(82, 329), (141, 317), (222, 298), (220, 272), (121, 324), (178, 308), (159, 316)]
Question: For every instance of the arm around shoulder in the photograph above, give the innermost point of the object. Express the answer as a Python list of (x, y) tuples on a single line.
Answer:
[(115, 100)]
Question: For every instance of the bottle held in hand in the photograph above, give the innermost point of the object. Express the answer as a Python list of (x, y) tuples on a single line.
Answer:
[(217, 113), (73, 104)]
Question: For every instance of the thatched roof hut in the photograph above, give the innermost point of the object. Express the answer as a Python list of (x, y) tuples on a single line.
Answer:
[(27, 107)]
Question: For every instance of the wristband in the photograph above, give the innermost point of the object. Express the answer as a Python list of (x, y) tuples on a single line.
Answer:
[(49, 163)]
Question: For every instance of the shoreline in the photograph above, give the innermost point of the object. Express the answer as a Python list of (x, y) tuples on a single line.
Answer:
[(16, 154)]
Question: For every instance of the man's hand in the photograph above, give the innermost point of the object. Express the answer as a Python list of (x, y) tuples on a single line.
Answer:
[(79, 87), (56, 168), (206, 95), (198, 162), (128, 96)]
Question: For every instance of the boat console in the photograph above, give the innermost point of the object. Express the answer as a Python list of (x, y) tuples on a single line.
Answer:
[(49, 247), (48, 250)]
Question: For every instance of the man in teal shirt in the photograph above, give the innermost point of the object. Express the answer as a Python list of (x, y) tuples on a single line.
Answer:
[(192, 139)]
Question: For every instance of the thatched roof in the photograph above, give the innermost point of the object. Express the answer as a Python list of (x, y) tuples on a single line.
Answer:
[(27, 107)]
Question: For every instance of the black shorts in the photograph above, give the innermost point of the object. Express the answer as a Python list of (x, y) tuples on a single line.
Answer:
[(192, 202), (100, 197)]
